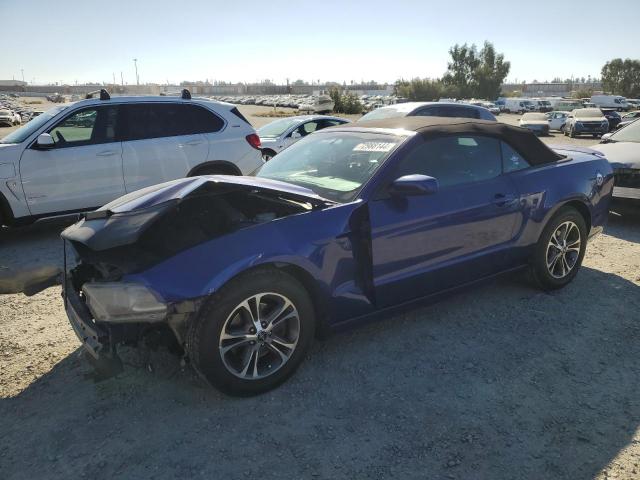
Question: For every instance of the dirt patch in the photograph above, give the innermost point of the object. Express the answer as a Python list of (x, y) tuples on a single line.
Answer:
[(500, 382)]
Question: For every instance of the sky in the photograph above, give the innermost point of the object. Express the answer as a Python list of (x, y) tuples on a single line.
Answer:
[(70, 41)]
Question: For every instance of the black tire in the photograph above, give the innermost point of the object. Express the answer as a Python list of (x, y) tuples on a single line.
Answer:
[(268, 154), (214, 170), (540, 271), (204, 337)]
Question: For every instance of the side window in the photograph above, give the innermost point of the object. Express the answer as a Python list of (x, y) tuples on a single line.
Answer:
[(203, 120), (511, 160), (430, 112), (86, 127), (306, 128), (455, 160), (156, 120)]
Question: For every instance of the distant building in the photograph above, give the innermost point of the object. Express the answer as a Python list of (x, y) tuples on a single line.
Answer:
[(12, 83), (540, 89)]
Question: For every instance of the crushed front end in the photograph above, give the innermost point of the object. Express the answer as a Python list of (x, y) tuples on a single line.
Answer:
[(107, 306)]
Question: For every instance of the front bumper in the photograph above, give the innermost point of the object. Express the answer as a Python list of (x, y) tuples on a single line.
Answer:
[(93, 337), (626, 183), (591, 128)]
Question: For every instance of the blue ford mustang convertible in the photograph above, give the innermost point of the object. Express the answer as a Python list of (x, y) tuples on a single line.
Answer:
[(240, 273)]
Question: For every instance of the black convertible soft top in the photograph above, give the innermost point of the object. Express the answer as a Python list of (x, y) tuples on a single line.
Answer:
[(523, 140)]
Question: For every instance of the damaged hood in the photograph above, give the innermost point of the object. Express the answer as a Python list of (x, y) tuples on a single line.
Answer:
[(178, 189), (125, 220), (621, 154)]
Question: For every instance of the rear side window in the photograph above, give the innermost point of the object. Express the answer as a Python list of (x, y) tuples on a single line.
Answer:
[(159, 120), (512, 161), (237, 113), (203, 120)]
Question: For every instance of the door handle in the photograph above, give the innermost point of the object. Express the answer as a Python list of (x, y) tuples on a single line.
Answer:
[(193, 143), (106, 153), (502, 199)]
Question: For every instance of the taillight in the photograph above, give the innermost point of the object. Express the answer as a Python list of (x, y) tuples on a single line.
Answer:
[(254, 141)]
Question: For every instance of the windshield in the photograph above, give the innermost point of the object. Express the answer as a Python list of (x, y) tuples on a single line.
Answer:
[(277, 128), (534, 116), (381, 113), (335, 165), (20, 135), (588, 113), (630, 133)]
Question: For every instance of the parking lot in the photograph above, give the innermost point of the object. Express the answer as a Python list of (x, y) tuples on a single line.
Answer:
[(499, 382)]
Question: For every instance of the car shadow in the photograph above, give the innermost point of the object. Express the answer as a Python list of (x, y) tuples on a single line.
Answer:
[(36, 244), (624, 222), (500, 382)]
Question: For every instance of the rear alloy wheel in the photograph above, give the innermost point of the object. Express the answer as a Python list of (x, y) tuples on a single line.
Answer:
[(560, 250), (252, 335)]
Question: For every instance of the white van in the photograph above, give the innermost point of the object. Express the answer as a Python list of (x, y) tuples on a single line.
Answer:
[(610, 101), (518, 105)]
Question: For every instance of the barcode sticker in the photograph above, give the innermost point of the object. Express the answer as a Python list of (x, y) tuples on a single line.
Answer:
[(374, 147)]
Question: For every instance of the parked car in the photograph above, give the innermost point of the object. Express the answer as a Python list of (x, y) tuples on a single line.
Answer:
[(320, 104), (610, 101), (429, 109), (74, 158), (346, 224), (536, 122), (613, 117), (557, 120), (492, 107), (7, 118), (622, 149), (281, 133), (588, 121), (628, 118)]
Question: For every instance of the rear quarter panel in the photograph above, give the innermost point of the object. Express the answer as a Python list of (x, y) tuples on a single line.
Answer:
[(547, 188)]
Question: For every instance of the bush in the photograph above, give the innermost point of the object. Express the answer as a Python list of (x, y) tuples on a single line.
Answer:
[(345, 102)]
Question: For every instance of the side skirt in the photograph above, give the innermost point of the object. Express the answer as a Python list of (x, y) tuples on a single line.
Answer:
[(385, 313)]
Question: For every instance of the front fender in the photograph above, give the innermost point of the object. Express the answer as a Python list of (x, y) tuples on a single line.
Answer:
[(312, 241)]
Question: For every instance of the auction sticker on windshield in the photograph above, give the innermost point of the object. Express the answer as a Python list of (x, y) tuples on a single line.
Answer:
[(374, 147)]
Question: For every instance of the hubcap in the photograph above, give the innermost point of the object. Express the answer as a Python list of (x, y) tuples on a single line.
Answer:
[(563, 250), (259, 336)]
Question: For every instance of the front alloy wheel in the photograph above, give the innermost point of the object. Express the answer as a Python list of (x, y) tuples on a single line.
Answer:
[(253, 333), (259, 336)]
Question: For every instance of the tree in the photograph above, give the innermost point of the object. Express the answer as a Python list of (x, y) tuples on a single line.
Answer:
[(476, 74), (419, 89), (622, 77), (461, 70), (491, 72)]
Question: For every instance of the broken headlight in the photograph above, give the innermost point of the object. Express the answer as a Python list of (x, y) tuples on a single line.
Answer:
[(124, 302)]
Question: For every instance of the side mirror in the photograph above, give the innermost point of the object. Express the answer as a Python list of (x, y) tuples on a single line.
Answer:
[(45, 141), (296, 134), (605, 138), (413, 185)]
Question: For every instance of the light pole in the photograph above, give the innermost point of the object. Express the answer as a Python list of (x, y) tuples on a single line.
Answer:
[(135, 62), (22, 70)]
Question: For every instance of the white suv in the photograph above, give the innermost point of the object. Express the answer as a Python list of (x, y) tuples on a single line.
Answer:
[(77, 157)]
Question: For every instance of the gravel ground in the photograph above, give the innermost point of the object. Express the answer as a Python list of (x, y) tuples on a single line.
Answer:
[(499, 382)]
